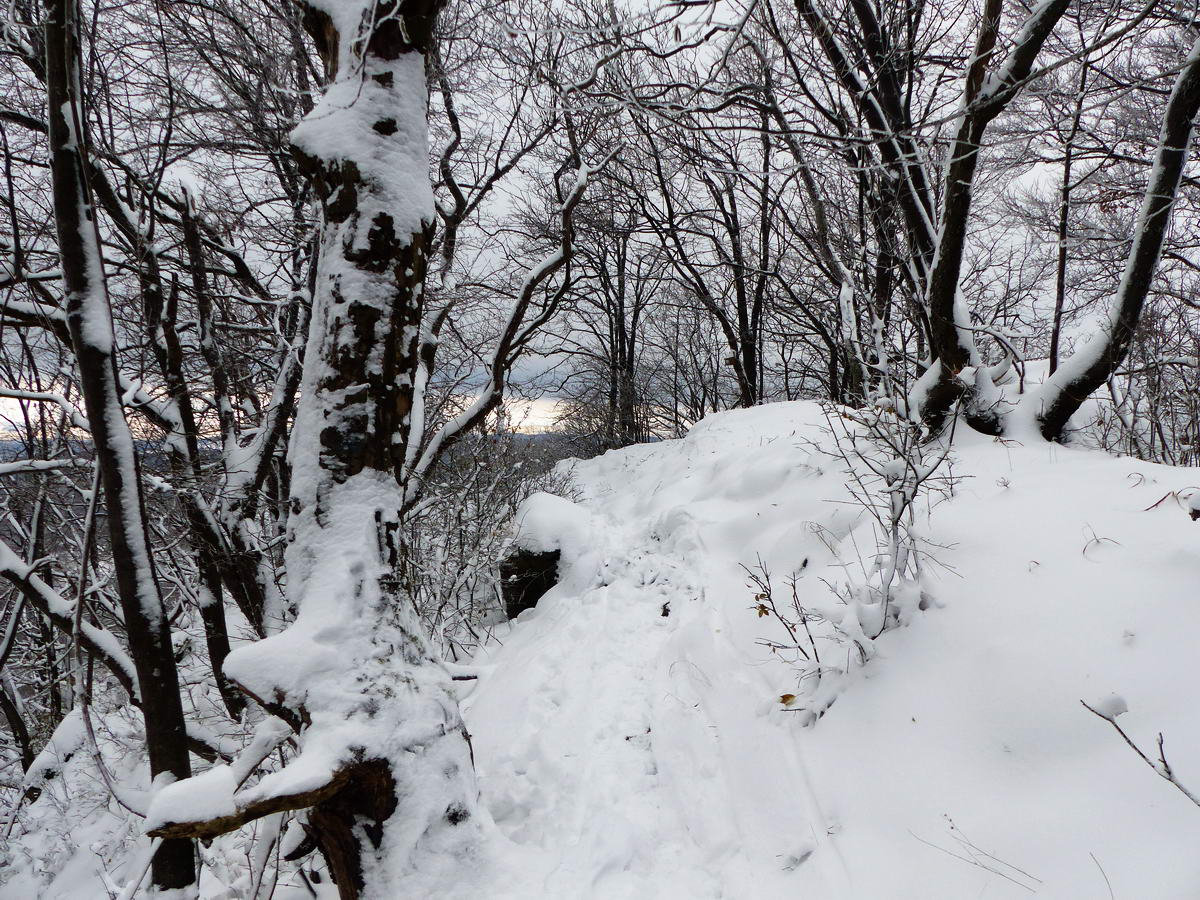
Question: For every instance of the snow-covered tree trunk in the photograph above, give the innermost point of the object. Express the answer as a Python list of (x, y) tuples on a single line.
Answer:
[(1099, 359), (985, 96), (381, 717), (385, 761), (89, 319)]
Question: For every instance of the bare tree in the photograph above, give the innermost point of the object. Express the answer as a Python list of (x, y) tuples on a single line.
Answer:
[(89, 319), (1096, 362)]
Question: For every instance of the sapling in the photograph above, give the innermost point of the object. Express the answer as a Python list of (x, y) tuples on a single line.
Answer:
[(890, 466)]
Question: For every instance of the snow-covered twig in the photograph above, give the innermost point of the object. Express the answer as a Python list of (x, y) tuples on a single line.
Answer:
[(1162, 768), (25, 466)]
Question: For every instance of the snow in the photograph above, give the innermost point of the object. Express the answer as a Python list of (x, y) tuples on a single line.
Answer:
[(633, 739), (204, 796), (342, 127), (545, 523), (348, 633), (1111, 706), (66, 740), (302, 663)]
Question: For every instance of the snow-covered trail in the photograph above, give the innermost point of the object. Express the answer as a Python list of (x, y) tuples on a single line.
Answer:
[(627, 754), (622, 733), (623, 742)]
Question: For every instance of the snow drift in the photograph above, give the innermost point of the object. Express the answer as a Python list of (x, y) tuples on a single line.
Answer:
[(639, 734), (630, 735)]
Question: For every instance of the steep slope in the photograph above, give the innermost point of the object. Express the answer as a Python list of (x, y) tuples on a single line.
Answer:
[(629, 732)]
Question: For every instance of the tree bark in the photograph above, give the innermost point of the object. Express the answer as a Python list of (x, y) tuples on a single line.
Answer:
[(89, 320)]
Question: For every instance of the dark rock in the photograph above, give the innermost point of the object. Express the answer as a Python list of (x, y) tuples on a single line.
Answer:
[(524, 577)]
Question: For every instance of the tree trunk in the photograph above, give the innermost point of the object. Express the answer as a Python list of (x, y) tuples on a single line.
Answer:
[(89, 319), (1098, 360), (1064, 219), (373, 704)]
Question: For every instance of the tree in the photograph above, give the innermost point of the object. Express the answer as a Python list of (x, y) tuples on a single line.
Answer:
[(374, 711), (384, 766), (89, 319), (1095, 363)]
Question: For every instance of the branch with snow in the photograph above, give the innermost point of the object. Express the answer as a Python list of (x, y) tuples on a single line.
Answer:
[(1113, 706), (27, 466), (97, 640)]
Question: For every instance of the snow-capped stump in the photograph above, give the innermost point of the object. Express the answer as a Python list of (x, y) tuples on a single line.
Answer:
[(546, 522), (551, 533), (65, 742)]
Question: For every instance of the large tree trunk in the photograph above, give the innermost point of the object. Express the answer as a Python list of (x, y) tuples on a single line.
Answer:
[(354, 672), (384, 762), (89, 319), (1098, 360)]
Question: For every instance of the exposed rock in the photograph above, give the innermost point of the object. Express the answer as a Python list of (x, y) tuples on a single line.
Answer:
[(525, 576)]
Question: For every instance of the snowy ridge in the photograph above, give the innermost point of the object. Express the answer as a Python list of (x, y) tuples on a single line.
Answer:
[(624, 753)]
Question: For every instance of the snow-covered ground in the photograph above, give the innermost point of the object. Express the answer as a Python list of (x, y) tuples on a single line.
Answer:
[(631, 741), (631, 735)]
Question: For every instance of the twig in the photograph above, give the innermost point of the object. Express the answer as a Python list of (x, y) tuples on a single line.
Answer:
[(83, 670), (1104, 874), (973, 848), (1162, 767), (974, 862), (131, 887)]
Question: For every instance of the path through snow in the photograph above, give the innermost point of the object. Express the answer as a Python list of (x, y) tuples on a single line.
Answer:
[(627, 754), (622, 733)]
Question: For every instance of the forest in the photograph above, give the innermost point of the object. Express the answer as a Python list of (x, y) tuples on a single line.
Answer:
[(796, 344)]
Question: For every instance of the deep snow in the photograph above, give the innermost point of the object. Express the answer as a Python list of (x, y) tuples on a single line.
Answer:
[(624, 753)]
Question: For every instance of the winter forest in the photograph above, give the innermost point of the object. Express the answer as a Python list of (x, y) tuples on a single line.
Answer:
[(565, 449)]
